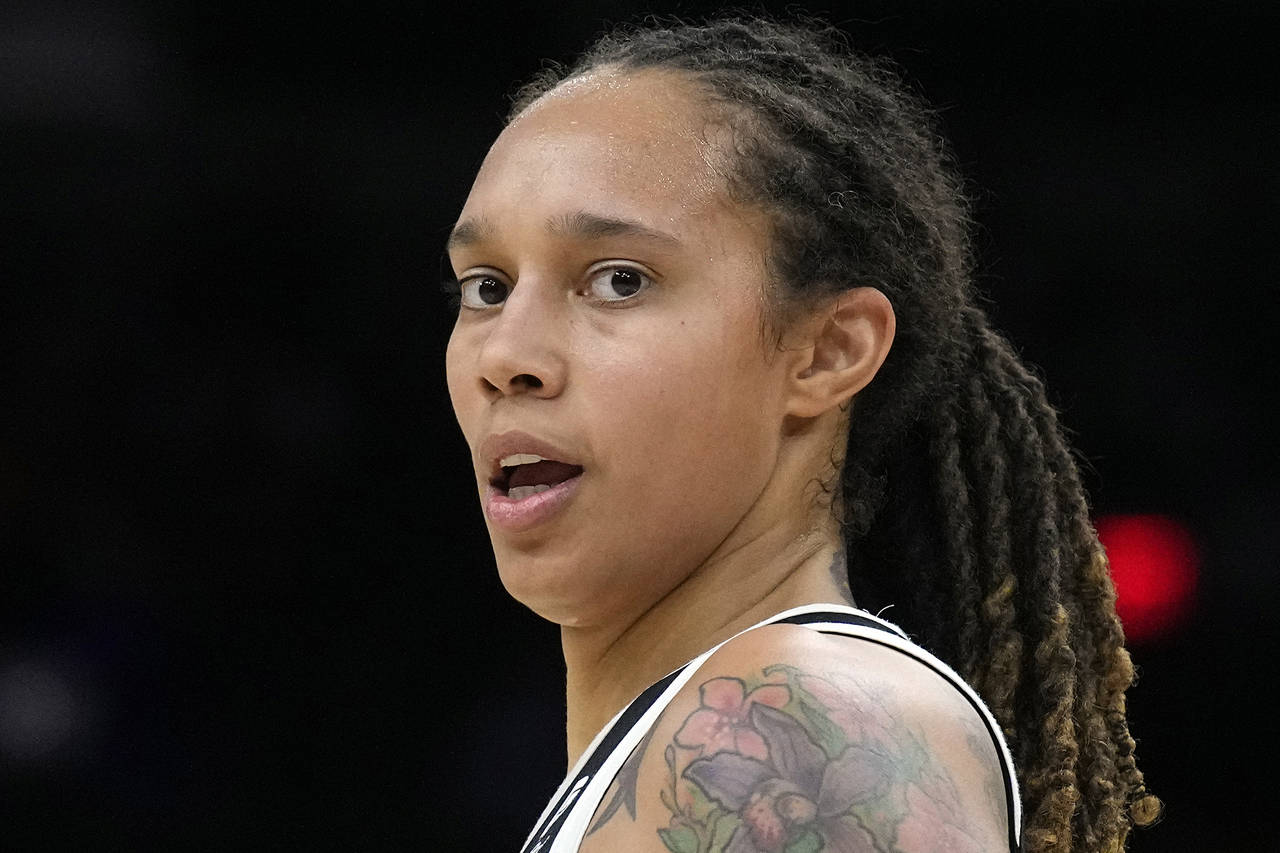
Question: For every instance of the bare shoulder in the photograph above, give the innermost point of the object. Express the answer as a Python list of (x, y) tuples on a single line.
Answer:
[(791, 741)]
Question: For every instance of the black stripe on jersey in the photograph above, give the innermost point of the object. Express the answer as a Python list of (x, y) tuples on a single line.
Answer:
[(545, 835), (833, 616)]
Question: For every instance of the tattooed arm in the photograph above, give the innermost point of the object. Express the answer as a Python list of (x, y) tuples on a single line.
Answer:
[(788, 741)]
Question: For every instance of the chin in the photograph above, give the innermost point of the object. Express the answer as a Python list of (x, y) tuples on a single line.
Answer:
[(559, 594)]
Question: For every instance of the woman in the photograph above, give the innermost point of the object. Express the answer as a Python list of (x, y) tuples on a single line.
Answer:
[(722, 374)]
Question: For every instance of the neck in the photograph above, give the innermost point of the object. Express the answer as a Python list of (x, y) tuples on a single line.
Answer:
[(607, 666)]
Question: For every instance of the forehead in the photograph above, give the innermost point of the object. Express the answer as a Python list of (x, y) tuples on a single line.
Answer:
[(609, 138)]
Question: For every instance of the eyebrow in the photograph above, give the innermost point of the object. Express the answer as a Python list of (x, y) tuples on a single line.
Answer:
[(582, 225), (467, 232), (591, 226)]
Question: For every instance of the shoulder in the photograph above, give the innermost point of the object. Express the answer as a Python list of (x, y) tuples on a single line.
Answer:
[(790, 740)]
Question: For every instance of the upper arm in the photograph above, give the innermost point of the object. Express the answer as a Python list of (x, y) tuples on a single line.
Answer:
[(789, 741)]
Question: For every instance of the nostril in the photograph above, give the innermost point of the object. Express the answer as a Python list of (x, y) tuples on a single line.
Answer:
[(521, 383)]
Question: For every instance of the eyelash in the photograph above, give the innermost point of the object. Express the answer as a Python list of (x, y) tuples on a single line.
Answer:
[(450, 287), (453, 287), (647, 281)]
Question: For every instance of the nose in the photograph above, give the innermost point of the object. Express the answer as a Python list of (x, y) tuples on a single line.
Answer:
[(524, 351)]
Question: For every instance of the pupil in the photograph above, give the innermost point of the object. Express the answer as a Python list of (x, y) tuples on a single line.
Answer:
[(491, 291), (625, 282)]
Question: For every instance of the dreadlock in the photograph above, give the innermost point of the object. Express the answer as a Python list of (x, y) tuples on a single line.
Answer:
[(959, 497)]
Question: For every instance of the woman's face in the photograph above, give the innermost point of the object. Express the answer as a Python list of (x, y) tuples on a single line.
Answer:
[(611, 321)]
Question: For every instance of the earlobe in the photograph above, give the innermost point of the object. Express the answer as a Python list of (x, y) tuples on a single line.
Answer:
[(847, 343)]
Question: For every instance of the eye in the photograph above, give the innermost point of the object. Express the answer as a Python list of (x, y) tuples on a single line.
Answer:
[(617, 284), (483, 291)]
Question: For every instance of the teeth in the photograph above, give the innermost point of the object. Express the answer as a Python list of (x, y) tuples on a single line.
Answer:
[(520, 459), (521, 492)]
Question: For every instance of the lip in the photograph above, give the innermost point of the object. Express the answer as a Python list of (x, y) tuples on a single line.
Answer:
[(514, 516), (500, 445)]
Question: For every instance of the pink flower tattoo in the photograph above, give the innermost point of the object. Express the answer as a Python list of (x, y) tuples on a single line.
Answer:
[(722, 723)]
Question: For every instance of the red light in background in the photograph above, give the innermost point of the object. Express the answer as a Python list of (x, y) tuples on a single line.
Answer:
[(1154, 564)]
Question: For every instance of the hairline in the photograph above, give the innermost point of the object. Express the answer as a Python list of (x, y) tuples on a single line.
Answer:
[(782, 304)]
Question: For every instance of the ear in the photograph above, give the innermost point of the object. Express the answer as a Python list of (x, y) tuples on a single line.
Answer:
[(844, 346)]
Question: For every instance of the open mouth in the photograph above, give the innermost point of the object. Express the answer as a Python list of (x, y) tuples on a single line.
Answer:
[(526, 474)]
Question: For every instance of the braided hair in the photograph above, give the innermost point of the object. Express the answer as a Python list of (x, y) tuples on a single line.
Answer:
[(959, 498)]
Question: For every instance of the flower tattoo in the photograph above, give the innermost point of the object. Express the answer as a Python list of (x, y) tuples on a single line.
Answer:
[(796, 792), (722, 722), (806, 764)]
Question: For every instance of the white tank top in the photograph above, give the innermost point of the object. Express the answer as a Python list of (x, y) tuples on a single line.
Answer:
[(564, 821)]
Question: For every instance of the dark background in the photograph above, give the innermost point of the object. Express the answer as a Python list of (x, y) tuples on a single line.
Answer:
[(247, 599)]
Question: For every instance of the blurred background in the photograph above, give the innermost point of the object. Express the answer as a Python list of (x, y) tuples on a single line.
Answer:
[(246, 596)]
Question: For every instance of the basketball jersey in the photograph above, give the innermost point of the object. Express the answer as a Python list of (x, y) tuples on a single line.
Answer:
[(564, 822)]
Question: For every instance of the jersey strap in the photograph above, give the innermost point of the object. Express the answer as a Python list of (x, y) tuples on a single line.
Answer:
[(564, 821), (606, 744), (850, 622)]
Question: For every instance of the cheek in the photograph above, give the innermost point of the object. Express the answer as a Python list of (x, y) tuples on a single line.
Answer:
[(459, 379), (690, 420)]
